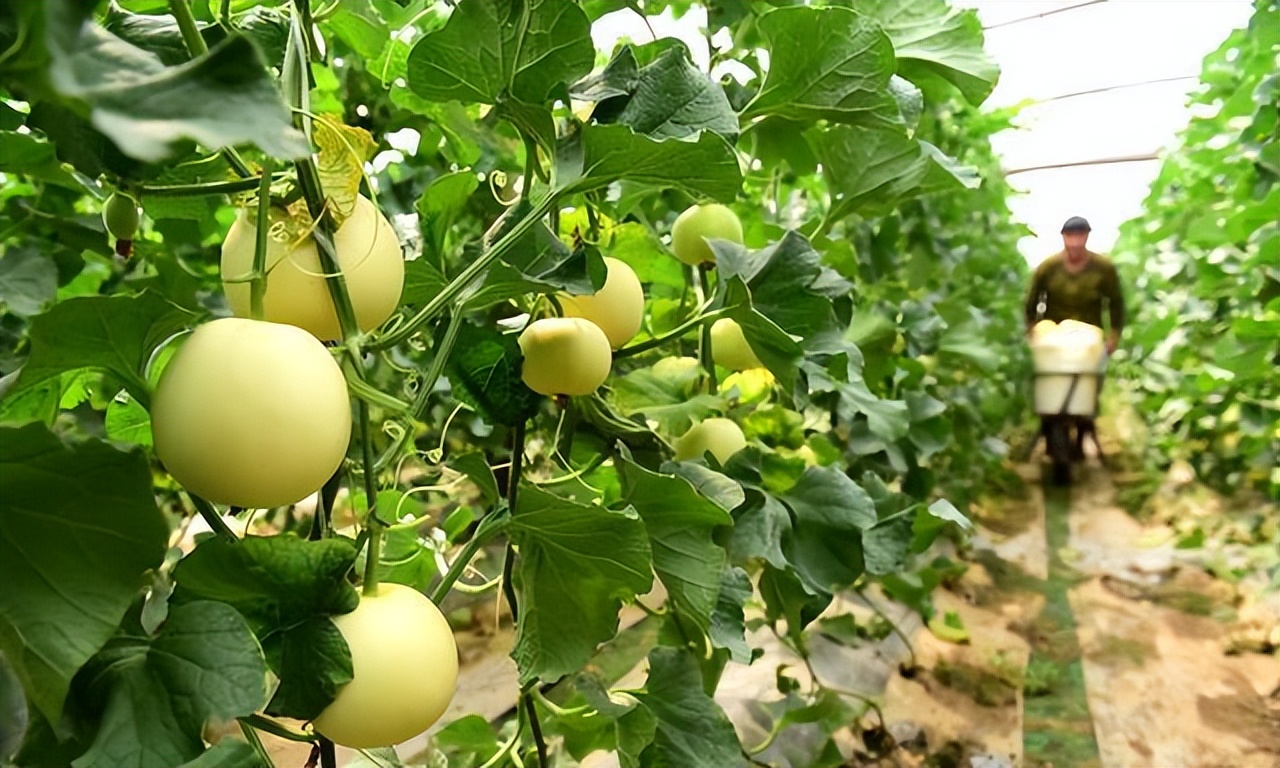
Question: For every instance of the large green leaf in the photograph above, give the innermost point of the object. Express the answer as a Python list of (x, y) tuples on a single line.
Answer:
[(680, 523), (703, 164), (490, 49), (78, 528), (693, 731), (223, 98), (826, 64), (664, 393), (871, 170), (155, 695), (831, 512), (287, 588), (930, 36), (577, 564), (106, 333), (788, 282), (671, 98)]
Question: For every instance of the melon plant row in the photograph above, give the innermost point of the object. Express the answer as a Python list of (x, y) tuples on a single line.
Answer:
[(1202, 260), (318, 321)]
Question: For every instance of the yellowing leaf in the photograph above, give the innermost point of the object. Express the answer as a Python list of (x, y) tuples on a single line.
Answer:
[(343, 152)]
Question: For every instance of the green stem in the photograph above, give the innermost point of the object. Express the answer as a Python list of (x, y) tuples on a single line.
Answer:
[(490, 525), (535, 727), (267, 725), (367, 393), (704, 344), (181, 11), (258, 286), (187, 25), (320, 524), (893, 626), (443, 350), (464, 279), (674, 333), (532, 168), (201, 189), (513, 488), (211, 516), (251, 736), (373, 524)]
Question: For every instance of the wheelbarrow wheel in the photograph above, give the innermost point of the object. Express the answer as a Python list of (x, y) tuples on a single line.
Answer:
[(1059, 446)]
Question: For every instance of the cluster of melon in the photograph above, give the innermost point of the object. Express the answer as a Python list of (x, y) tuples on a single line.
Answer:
[(255, 414)]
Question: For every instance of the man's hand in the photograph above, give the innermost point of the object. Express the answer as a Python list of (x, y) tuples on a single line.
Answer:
[(1113, 341)]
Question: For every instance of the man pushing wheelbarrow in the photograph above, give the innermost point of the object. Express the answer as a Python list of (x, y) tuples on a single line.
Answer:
[(1064, 319)]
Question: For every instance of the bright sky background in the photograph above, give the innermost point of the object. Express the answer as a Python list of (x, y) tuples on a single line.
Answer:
[(1118, 42), (1103, 45)]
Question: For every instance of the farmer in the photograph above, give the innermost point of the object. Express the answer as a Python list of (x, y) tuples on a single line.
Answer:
[(1074, 283)]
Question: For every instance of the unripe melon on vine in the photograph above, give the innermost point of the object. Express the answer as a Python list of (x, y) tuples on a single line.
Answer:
[(251, 414), (565, 356), (729, 346), (297, 293), (698, 222), (405, 670), (720, 436), (618, 307)]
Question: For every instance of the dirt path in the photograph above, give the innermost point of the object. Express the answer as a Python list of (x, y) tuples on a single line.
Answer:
[(1152, 637)]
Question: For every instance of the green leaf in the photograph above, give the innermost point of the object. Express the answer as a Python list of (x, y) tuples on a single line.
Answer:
[(28, 280), (886, 545), (618, 78), (931, 37), (888, 419), (423, 281), (966, 341), (826, 64), (485, 372), (475, 466), (577, 564), (671, 99), (223, 98), (470, 740), (728, 626), (287, 588), (441, 203), (788, 282), (128, 422), (831, 512), (25, 155), (106, 333), (539, 263), (871, 171), (680, 523), (693, 731), (786, 597), (489, 49), (358, 24), (665, 396), (778, 350), (156, 694), (78, 528), (598, 155), (761, 524)]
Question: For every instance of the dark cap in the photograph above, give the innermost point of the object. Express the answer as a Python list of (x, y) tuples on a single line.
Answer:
[(1076, 224)]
